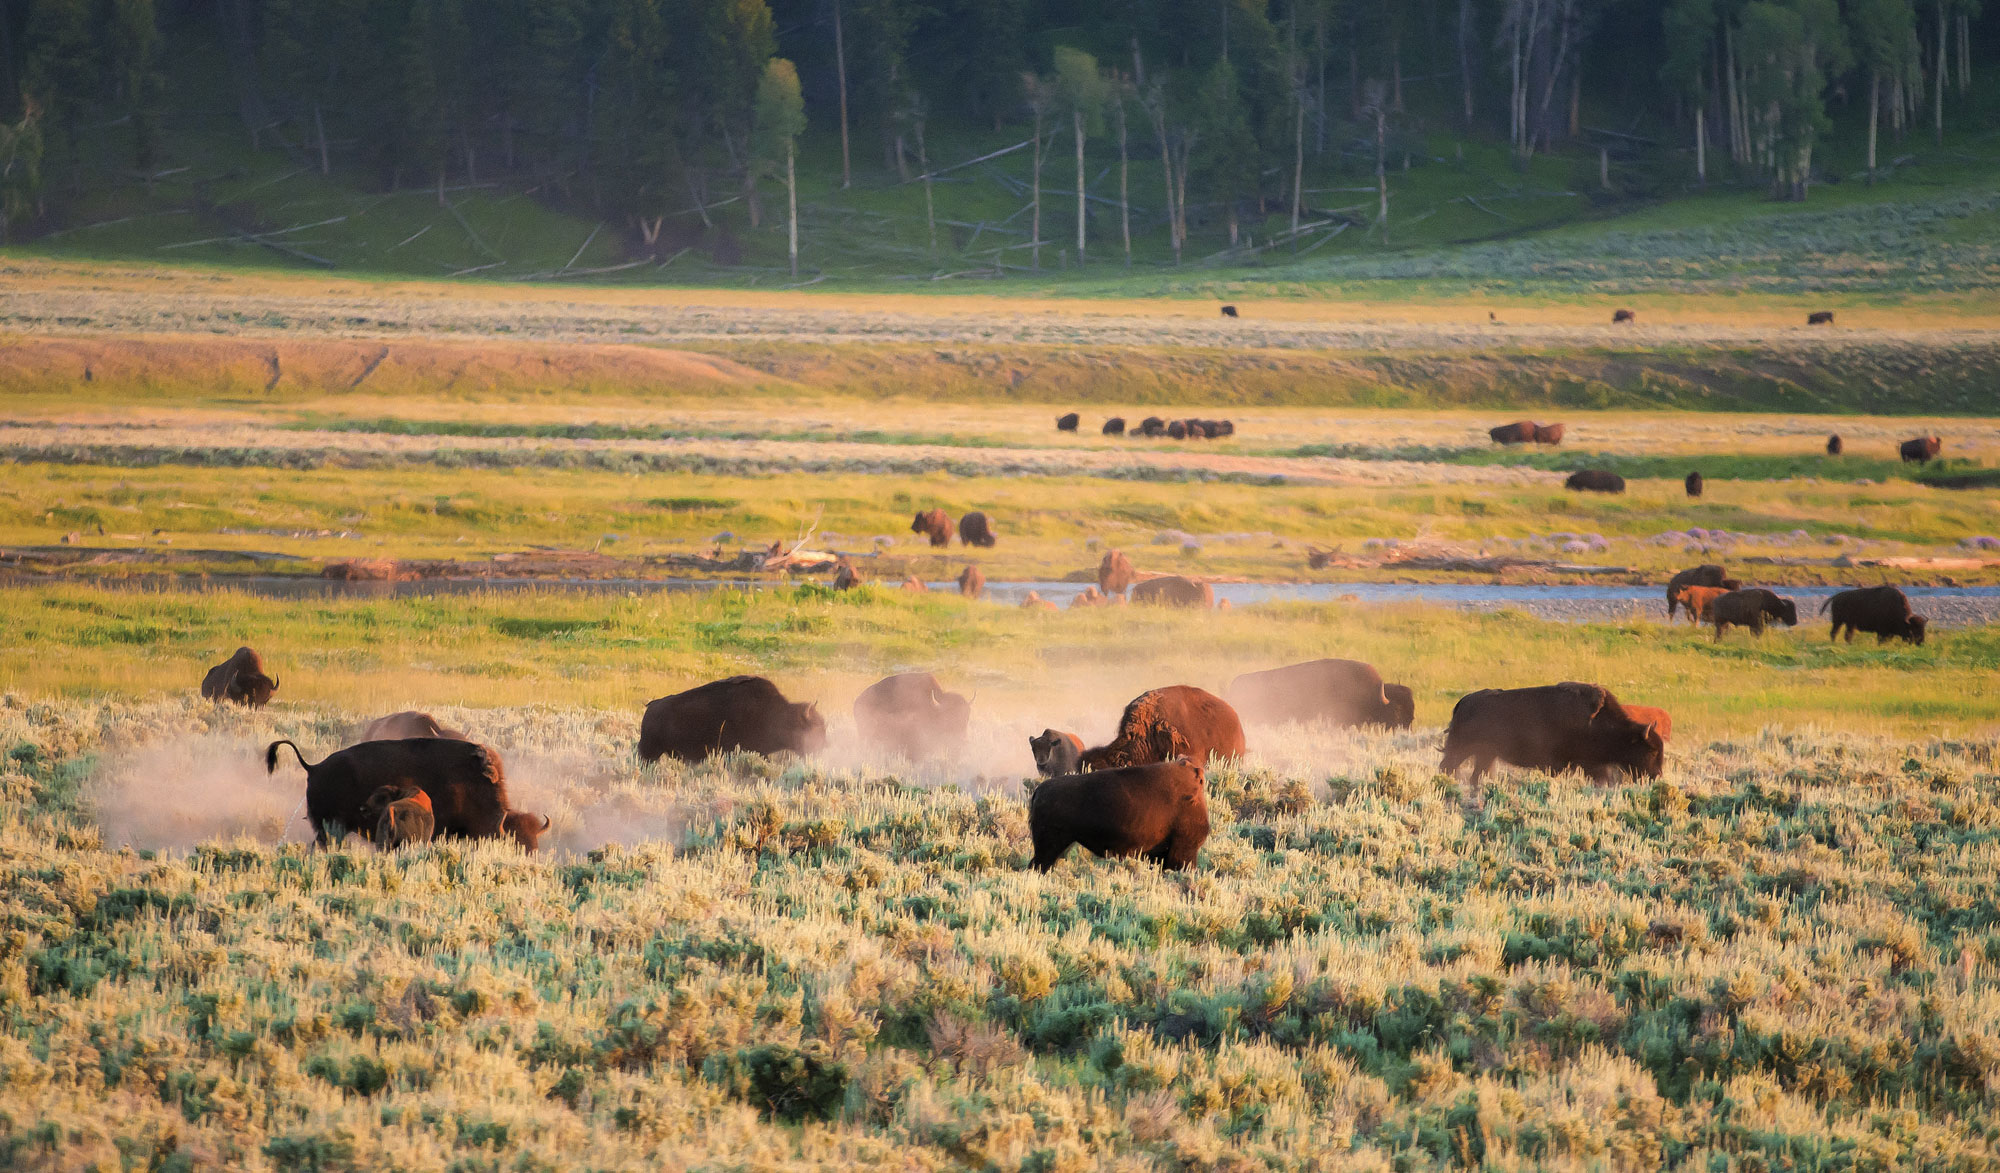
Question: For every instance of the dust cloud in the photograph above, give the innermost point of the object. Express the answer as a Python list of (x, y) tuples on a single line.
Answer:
[(178, 792)]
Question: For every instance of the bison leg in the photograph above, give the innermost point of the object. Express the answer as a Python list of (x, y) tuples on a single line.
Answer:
[(1049, 850)]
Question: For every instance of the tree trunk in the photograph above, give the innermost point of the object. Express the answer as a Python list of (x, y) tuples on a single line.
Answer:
[(1701, 145), (1396, 72), (1167, 170), (1874, 112), (1937, 117), (1381, 173), (1076, 124), (1739, 146), (1180, 201), (1124, 195), (319, 128), (1964, 50), (1575, 101), (1466, 17), (924, 163), (1298, 158), (1035, 230), (792, 204), (840, 68)]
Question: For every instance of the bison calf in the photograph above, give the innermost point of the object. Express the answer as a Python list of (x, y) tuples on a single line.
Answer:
[(1055, 752), (1882, 611), (1555, 727), (740, 712), (242, 679), (404, 817), (1158, 810)]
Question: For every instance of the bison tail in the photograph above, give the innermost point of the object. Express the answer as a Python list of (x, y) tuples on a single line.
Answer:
[(1828, 602), (271, 757)]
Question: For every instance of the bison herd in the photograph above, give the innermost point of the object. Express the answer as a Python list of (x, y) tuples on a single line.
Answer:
[(1154, 426), (1917, 450), (1709, 595)]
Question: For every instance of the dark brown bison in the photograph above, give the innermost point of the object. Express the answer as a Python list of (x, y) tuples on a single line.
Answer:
[(464, 781), (1342, 692), (240, 678), (1834, 446), (1750, 608), (1115, 426), (1921, 450), (1174, 591), (1177, 430), (1548, 433), (1229, 311), (1055, 752), (1067, 423), (402, 815), (1152, 425), (1554, 727), (934, 524), (1166, 723), (1695, 484), (1221, 428), (1519, 432), (1595, 480), (1881, 611), (971, 582), (1659, 720), (974, 529), (1708, 574), (1820, 318), (911, 714), (1620, 317), (1114, 573), (1159, 810), (741, 712), (845, 577), (409, 723)]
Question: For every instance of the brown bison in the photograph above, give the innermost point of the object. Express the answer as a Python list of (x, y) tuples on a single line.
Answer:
[(1921, 450), (1548, 433), (1820, 318), (1881, 611), (403, 815), (1115, 426), (1158, 810), (1177, 430), (1555, 727), (240, 678), (1708, 574), (409, 723), (845, 577), (971, 582), (1229, 311), (1750, 608), (464, 782), (1114, 573), (741, 712), (1595, 480), (1834, 445), (1699, 600), (1622, 317), (1055, 752), (1221, 428), (1089, 596), (1171, 722), (934, 524), (1035, 602), (911, 714), (1659, 720), (1519, 432), (1342, 692), (1695, 484), (1068, 423), (526, 829), (916, 586), (1172, 590), (974, 529), (1152, 425)]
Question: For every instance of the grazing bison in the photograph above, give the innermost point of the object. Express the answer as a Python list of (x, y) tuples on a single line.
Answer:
[(1548, 433), (1342, 692), (1623, 317), (1177, 430), (1067, 423), (971, 582), (1659, 720), (526, 829), (1519, 432), (1708, 574), (1555, 727), (1595, 480), (409, 723), (1152, 425), (1157, 810), (974, 529), (1115, 426), (402, 815), (1750, 608), (1820, 318), (1166, 723), (464, 782), (741, 712), (1174, 591), (1698, 600), (1114, 573), (1089, 596), (934, 524), (1035, 602), (1881, 611), (240, 678), (1695, 484), (1834, 446), (1921, 450), (1229, 311), (916, 586), (845, 577), (1055, 752), (1221, 428), (911, 714)]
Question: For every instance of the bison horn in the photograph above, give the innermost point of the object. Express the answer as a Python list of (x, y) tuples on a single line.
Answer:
[(545, 823)]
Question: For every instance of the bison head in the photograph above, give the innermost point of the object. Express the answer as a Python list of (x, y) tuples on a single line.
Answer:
[(1056, 753), (1786, 610), (1914, 629), (526, 829), (1645, 753), (256, 688), (809, 727), (1402, 705)]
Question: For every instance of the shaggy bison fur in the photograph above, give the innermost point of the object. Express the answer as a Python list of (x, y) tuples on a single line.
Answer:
[(1751, 608), (1881, 611), (1555, 727), (740, 712), (911, 714), (1342, 692), (1657, 718), (1158, 810), (1114, 573), (1168, 723), (242, 679), (1056, 752), (934, 524)]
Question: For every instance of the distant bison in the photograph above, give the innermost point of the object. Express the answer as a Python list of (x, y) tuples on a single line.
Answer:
[(1035, 602), (916, 586), (1519, 432), (971, 582), (1921, 450), (1089, 596), (1158, 810), (1342, 692), (1695, 484), (1595, 480), (1174, 591), (911, 714), (1068, 423), (1055, 752), (409, 723), (1555, 727), (974, 529), (1171, 722), (1152, 425), (845, 576), (1881, 611), (1229, 311), (1834, 446), (741, 712), (1548, 433), (1820, 318), (1222, 428), (1114, 573), (1621, 317), (464, 782), (1698, 601), (1659, 720), (1177, 430), (403, 815), (1750, 608), (1708, 574), (934, 524), (1115, 426), (242, 679)]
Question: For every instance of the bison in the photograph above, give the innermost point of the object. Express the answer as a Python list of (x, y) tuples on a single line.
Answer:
[(1158, 810), (1177, 430), (975, 529), (1035, 602), (1166, 723), (845, 576), (1229, 311), (464, 782), (1115, 426), (1695, 483), (1659, 719), (916, 586), (741, 712), (1114, 573), (1342, 692), (1555, 727), (1921, 450), (1750, 608), (409, 723), (911, 714), (1708, 574), (1068, 423), (934, 524), (1152, 425), (240, 678), (1699, 599), (1623, 317), (971, 582), (1881, 611), (1222, 428), (1056, 752), (1595, 480), (1548, 433), (1820, 318), (526, 829), (1172, 590), (1519, 432), (403, 815), (1834, 446)]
